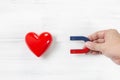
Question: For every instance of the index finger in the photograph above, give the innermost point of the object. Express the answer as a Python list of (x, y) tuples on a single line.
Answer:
[(97, 35)]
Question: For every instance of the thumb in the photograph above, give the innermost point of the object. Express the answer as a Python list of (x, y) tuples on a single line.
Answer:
[(94, 46)]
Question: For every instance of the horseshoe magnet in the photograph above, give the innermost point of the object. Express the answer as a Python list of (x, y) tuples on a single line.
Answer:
[(79, 51)]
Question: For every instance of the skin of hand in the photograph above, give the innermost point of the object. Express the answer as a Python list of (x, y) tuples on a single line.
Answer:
[(106, 42)]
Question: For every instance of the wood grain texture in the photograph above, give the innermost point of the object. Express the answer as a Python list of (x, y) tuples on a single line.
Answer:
[(62, 18)]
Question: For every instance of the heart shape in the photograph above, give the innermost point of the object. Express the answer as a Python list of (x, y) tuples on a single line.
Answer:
[(38, 44)]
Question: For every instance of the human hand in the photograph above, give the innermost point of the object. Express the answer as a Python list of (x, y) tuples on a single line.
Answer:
[(106, 42)]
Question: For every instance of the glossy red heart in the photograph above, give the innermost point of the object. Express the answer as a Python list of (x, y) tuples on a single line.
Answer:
[(38, 44)]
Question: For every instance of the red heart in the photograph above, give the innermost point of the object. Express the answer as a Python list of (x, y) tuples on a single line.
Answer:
[(38, 44)]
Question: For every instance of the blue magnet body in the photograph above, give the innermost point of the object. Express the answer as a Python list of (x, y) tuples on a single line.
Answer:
[(75, 38)]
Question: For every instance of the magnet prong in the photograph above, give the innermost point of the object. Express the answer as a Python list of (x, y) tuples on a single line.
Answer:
[(75, 38)]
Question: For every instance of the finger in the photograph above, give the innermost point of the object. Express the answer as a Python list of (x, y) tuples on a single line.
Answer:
[(95, 53), (99, 41), (95, 46), (97, 35)]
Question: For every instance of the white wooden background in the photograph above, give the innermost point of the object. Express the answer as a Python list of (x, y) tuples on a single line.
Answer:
[(62, 18)]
